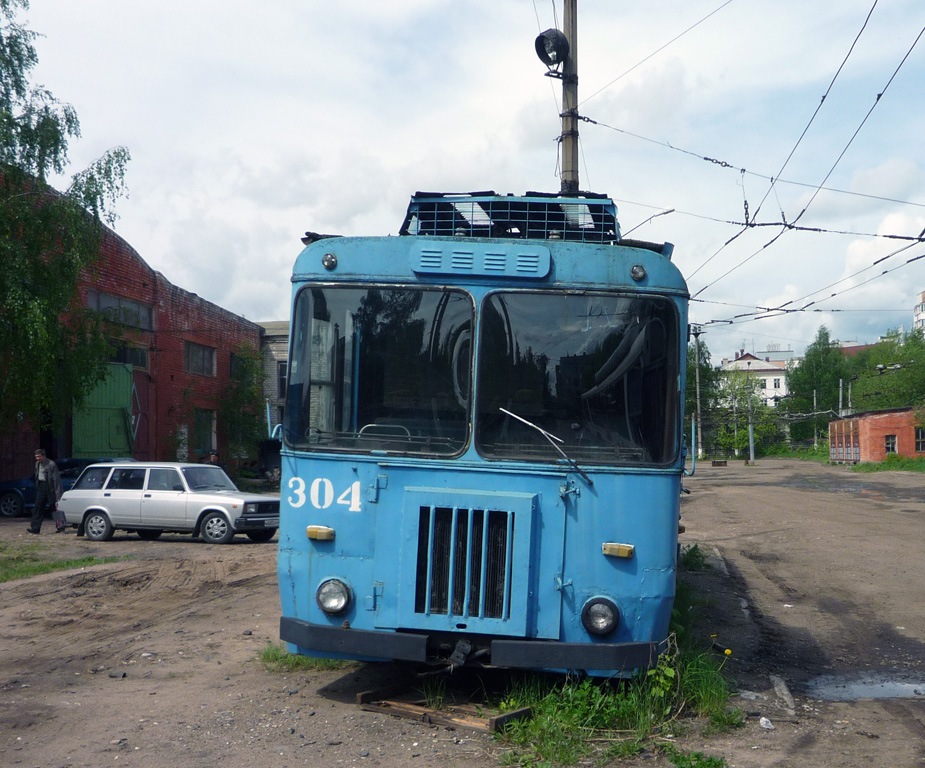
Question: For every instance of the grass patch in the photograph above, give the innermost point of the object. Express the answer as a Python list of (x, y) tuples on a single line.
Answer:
[(581, 719), (693, 558), (893, 463), (691, 759), (20, 561), (819, 454), (433, 690), (276, 658)]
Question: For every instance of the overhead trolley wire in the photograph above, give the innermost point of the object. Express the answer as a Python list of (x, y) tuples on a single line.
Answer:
[(816, 113), (831, 170), (817, 230), (771, 186), (654, 53), (861, 125), (745, 171), (764, 313)]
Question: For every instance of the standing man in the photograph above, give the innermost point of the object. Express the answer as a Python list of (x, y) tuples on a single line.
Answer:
[(212, 458), (48, 489)]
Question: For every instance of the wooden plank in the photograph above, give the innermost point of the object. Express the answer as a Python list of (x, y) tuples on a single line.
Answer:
[(385, 692), (467, 716), (499, 721)]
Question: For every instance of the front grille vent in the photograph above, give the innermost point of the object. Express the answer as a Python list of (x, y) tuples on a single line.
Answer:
[(464, 562)]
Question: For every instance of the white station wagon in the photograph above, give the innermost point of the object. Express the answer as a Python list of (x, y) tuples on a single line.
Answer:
[(150, 498)]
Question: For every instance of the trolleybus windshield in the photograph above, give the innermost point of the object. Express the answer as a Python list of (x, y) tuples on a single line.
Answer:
[(390, 369), (380, 369), (596, 371)]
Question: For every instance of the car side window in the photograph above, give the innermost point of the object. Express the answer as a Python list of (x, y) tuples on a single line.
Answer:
[(92, 479), (164, 480), (125, 479)]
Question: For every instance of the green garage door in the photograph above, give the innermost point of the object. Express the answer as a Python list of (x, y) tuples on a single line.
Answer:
[(103, 426)]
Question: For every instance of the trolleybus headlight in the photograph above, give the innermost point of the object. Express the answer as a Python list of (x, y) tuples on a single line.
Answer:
[(333, 596), (600, 616)]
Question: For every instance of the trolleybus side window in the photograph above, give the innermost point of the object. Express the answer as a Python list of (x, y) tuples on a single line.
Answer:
[(380, 369), (597, 371)]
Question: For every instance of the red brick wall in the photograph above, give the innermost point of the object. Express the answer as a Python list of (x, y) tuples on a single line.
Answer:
[(165, 394), (182, 316), (872, 429)]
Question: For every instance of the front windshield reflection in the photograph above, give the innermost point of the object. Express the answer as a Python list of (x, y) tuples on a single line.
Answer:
[(380, 369), (600, 372)]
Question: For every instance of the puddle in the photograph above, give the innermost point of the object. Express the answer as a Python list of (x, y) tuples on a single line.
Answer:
[(835, 688), (867, 490)]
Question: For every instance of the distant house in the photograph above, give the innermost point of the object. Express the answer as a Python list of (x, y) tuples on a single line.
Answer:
[(875, 435), (918, 313), (770, 376)]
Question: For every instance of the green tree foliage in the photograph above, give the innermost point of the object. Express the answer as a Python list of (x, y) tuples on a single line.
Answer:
[(709, 391), (740, 402), (822, 368), (240, 414), (52, 350), (891, 374)]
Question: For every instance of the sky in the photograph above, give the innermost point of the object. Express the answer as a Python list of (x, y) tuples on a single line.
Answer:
[(251, 123)]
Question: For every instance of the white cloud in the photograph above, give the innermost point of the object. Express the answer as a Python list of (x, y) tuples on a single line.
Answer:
[(249, 126)]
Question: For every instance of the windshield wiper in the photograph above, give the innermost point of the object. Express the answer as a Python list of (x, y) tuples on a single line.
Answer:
[(553, 440)]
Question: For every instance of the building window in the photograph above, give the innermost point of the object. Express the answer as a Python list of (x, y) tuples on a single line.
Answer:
[(120, 310), (776, 383), (137, 357), (203, 431), (890, 443), (281, 379), (920, 439), (199, 359), (238, 368)]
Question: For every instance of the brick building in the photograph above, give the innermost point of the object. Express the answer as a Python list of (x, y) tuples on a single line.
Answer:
[(875, 435), (173, 362)]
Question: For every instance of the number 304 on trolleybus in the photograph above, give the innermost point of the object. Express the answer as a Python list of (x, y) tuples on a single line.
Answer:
[(482, 446)]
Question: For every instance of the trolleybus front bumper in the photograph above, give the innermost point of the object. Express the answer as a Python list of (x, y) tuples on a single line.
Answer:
[(408, 646)]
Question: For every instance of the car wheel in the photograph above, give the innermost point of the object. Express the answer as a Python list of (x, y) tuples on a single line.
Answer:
[(262, 535), (10, 504), (148, 534), (215, 529), (97, 527)]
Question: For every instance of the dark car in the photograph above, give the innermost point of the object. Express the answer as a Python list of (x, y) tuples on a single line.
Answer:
[(18, 496)]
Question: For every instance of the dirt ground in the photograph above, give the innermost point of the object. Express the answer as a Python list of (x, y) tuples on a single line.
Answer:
[(152, 661)]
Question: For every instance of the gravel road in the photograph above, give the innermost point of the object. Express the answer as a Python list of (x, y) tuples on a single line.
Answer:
[(151, 661)]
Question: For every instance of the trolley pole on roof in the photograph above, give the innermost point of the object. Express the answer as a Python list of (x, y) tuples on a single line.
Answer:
[(570, 101)]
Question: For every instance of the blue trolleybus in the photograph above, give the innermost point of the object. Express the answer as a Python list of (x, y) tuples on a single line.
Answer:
[(482, 445)]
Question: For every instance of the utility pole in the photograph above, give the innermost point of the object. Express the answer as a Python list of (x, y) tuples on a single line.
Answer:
[(815, 424), (570, 102), (697, 330), (751, 425)]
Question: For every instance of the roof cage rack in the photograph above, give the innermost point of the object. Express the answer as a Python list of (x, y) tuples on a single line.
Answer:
[(585, 217)]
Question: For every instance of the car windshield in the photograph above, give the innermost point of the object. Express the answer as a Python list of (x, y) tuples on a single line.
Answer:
[(380, 369), (599, 372), (204, 478)]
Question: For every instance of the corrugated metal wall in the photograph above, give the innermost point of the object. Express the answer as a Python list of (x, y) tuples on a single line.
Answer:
[(103, 427)]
